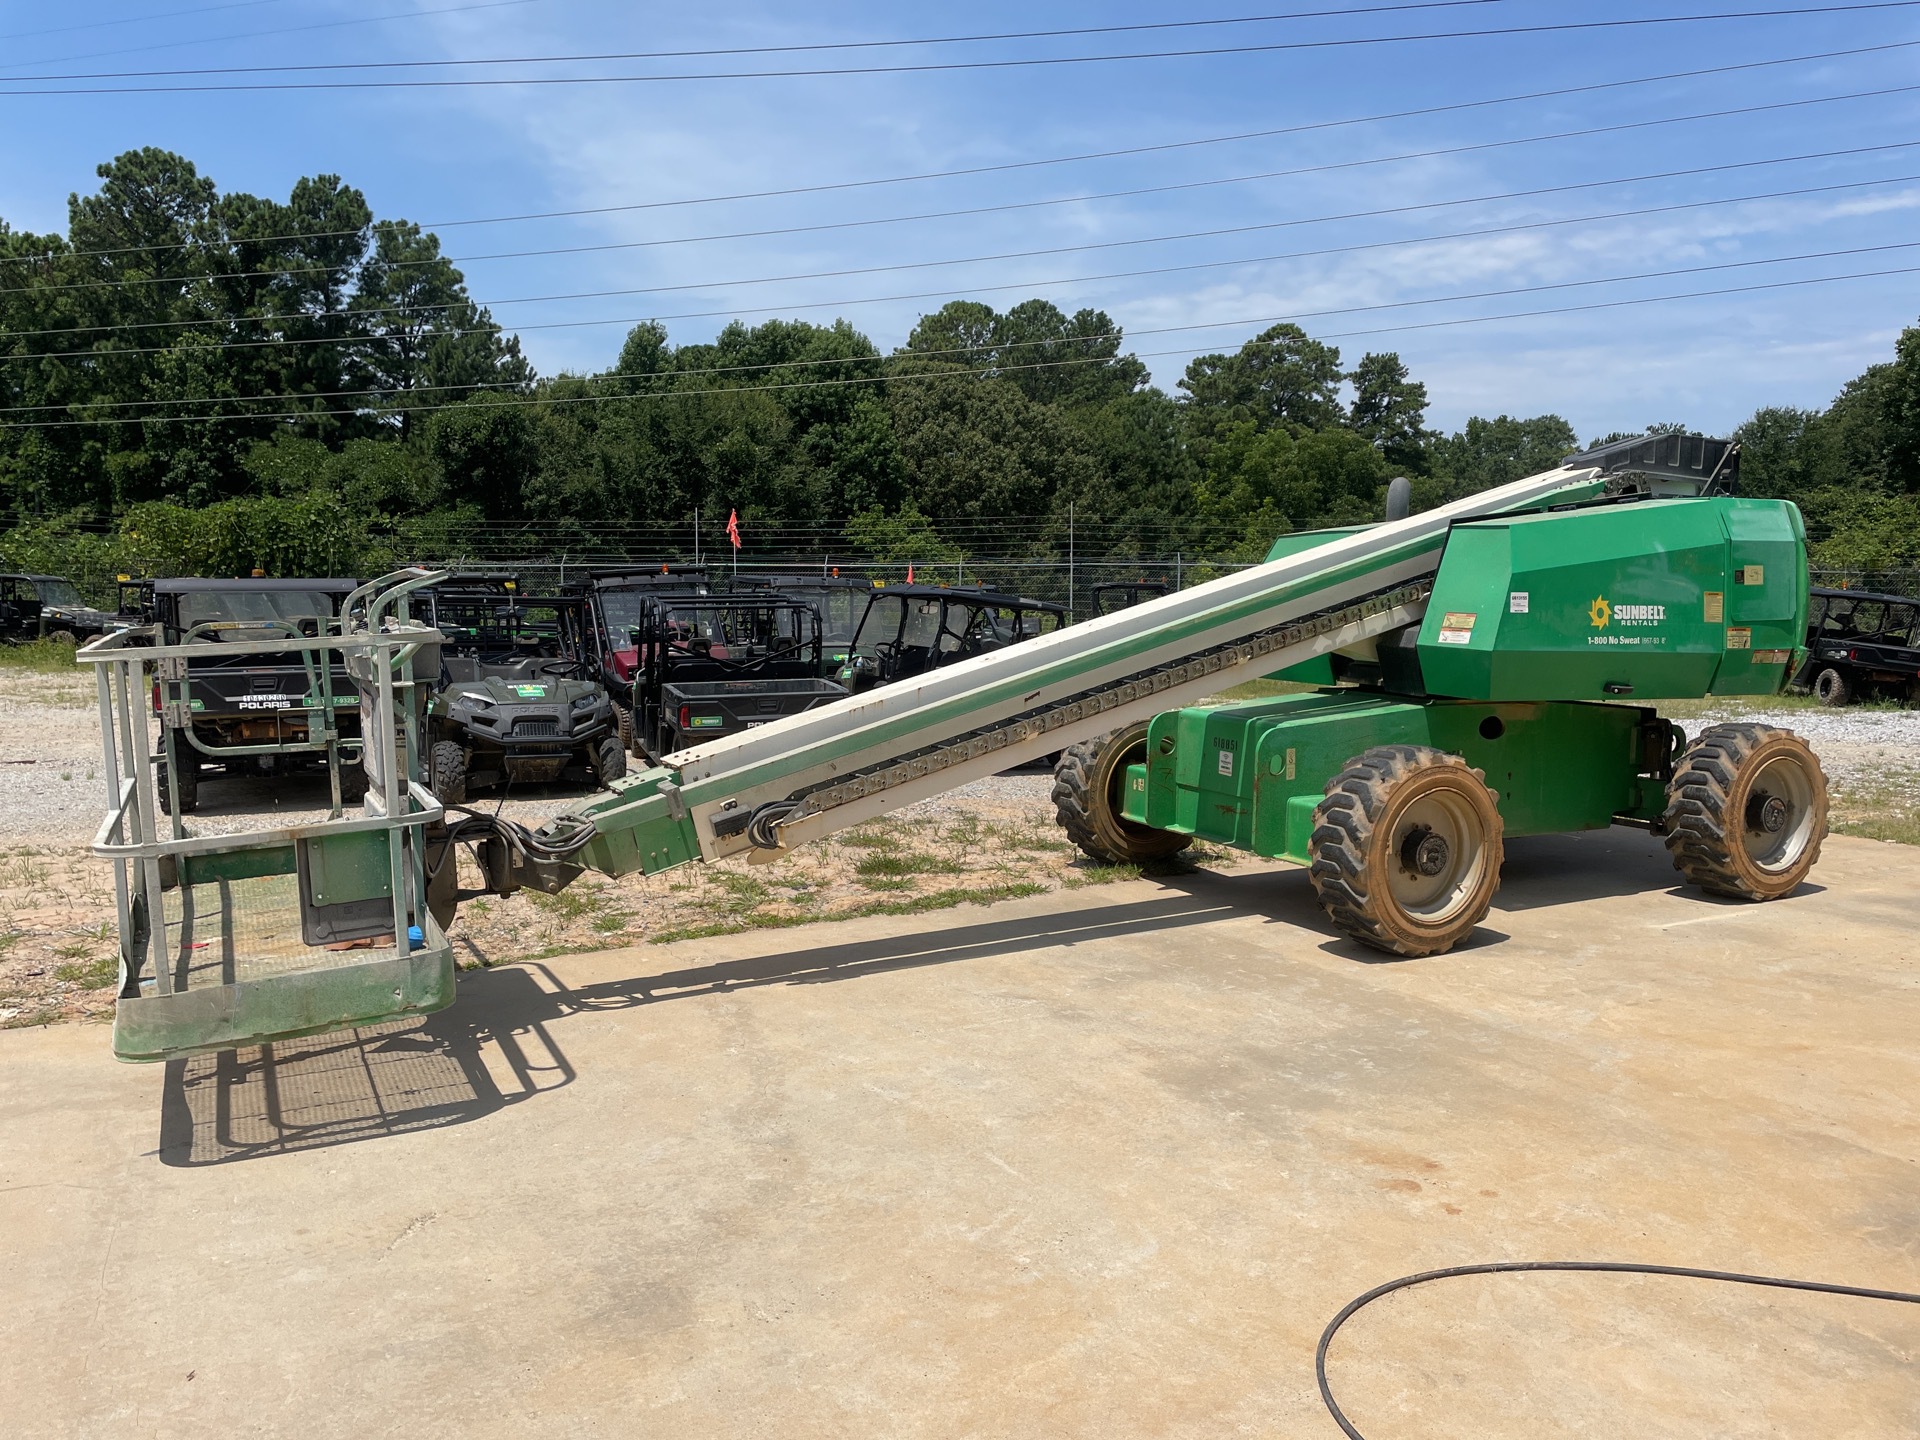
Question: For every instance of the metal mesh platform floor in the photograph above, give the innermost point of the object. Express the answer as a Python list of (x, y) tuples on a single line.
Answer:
[(234, 931)]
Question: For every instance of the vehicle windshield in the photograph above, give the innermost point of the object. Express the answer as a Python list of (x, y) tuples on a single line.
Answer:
[(58, 592), (207, 607), (736, 632), (840, 612), (621, 609), (501, 626)]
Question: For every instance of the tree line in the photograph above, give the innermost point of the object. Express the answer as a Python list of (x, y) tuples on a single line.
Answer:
[(207, 381)]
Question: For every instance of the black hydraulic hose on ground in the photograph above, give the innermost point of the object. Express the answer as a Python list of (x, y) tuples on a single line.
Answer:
[(1353, 1307)]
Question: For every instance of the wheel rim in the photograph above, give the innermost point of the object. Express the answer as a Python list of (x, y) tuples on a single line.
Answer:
[(1778, 817), (1437, 855)]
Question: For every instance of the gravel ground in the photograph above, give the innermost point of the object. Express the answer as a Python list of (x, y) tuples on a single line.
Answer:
[(988, 840), (1857, 748)]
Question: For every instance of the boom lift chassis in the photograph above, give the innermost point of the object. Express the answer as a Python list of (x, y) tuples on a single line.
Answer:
[(1093, 690)]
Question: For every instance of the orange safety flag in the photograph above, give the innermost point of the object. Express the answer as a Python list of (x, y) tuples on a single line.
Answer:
[(733, 527), (909, 572)]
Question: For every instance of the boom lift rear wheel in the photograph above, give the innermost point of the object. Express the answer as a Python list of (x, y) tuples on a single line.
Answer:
[(1406, 849), (1747, 811), (1086, 801)]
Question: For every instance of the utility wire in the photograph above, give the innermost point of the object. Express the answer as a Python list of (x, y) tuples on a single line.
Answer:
[(246, 34), (1328, 167), (1007, 166), (516, 402), (492, 327), (183, 280), (1340, 13), (1561, 28), (989, 348)]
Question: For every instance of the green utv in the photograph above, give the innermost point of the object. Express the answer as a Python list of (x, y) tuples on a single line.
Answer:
[(516, 702)]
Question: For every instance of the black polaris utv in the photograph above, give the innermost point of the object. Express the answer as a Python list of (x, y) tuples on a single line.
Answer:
[(1860, 646), (517, 700), (617, 609), (1117, 595), (709, 666), (910, 629), (234, 712), (47, 607), (841, 601)]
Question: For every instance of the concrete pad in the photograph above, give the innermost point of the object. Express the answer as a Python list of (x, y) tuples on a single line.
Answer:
[(1099, 1164)]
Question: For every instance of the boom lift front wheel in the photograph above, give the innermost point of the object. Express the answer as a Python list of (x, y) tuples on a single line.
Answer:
[(1406, 849), (1746, 811), (1087, 781)]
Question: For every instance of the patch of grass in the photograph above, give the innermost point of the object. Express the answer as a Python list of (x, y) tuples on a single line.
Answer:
[(568, 904), (1091, 874), (92, 975), (742, 891), (40, 655), (1258, 690), (867, 837), (1894, 829), (917, 905), (898, 867), (22, 874), (611, 924)]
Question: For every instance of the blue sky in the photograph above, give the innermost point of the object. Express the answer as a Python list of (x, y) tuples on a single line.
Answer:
[(440, 155)]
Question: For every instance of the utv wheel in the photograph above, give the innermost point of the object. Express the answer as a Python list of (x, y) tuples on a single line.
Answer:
[(63, 637), (189, 766), (610, 760), (1833, 687), (623, 719), (1086, 801), (1747, 811), (353, 783), (448, 763), (1406, 850)]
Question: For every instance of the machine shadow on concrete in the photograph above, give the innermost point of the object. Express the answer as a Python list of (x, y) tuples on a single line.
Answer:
[(494, 1048), (489, 1051)]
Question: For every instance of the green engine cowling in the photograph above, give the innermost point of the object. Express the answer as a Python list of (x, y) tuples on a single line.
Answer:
[(1660, 599)]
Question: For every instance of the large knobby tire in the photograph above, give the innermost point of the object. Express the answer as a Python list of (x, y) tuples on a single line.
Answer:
[(1833, 687), (1746, 811), (188, 763), (1407, 849), (448, 771), (623, 721), (64, 637), (353, 782), (1086, 801), (610, 760)]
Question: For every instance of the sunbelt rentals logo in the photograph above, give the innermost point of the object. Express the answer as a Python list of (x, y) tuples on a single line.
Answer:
[(1604, 613)]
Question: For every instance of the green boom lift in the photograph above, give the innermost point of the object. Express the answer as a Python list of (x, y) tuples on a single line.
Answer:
[(1484, 669)]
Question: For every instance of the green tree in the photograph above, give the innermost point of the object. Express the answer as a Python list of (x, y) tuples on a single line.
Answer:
[(1281, 379), (1389, 411)]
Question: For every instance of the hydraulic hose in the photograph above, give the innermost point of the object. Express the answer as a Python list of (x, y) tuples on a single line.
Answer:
[(1356, 1305)]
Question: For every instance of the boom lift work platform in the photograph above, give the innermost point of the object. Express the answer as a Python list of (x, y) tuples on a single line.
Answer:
[(1491, 642)]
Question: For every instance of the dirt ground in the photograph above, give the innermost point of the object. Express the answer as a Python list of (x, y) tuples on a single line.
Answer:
[(990, 841)]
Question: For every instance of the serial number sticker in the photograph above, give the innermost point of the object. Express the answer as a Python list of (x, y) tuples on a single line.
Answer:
[(1772, 657), (1456, 637), (1740, 638), (1519, 602), (1458, 620), (1716, 607), (1226, 762)]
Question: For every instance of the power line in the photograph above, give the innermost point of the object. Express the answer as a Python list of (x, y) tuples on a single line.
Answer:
[(363, 338), (1560, 28), (1007, 166), (1341, 13), (910, 377), (1179, 186), (1095, 338), (878, 269)]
